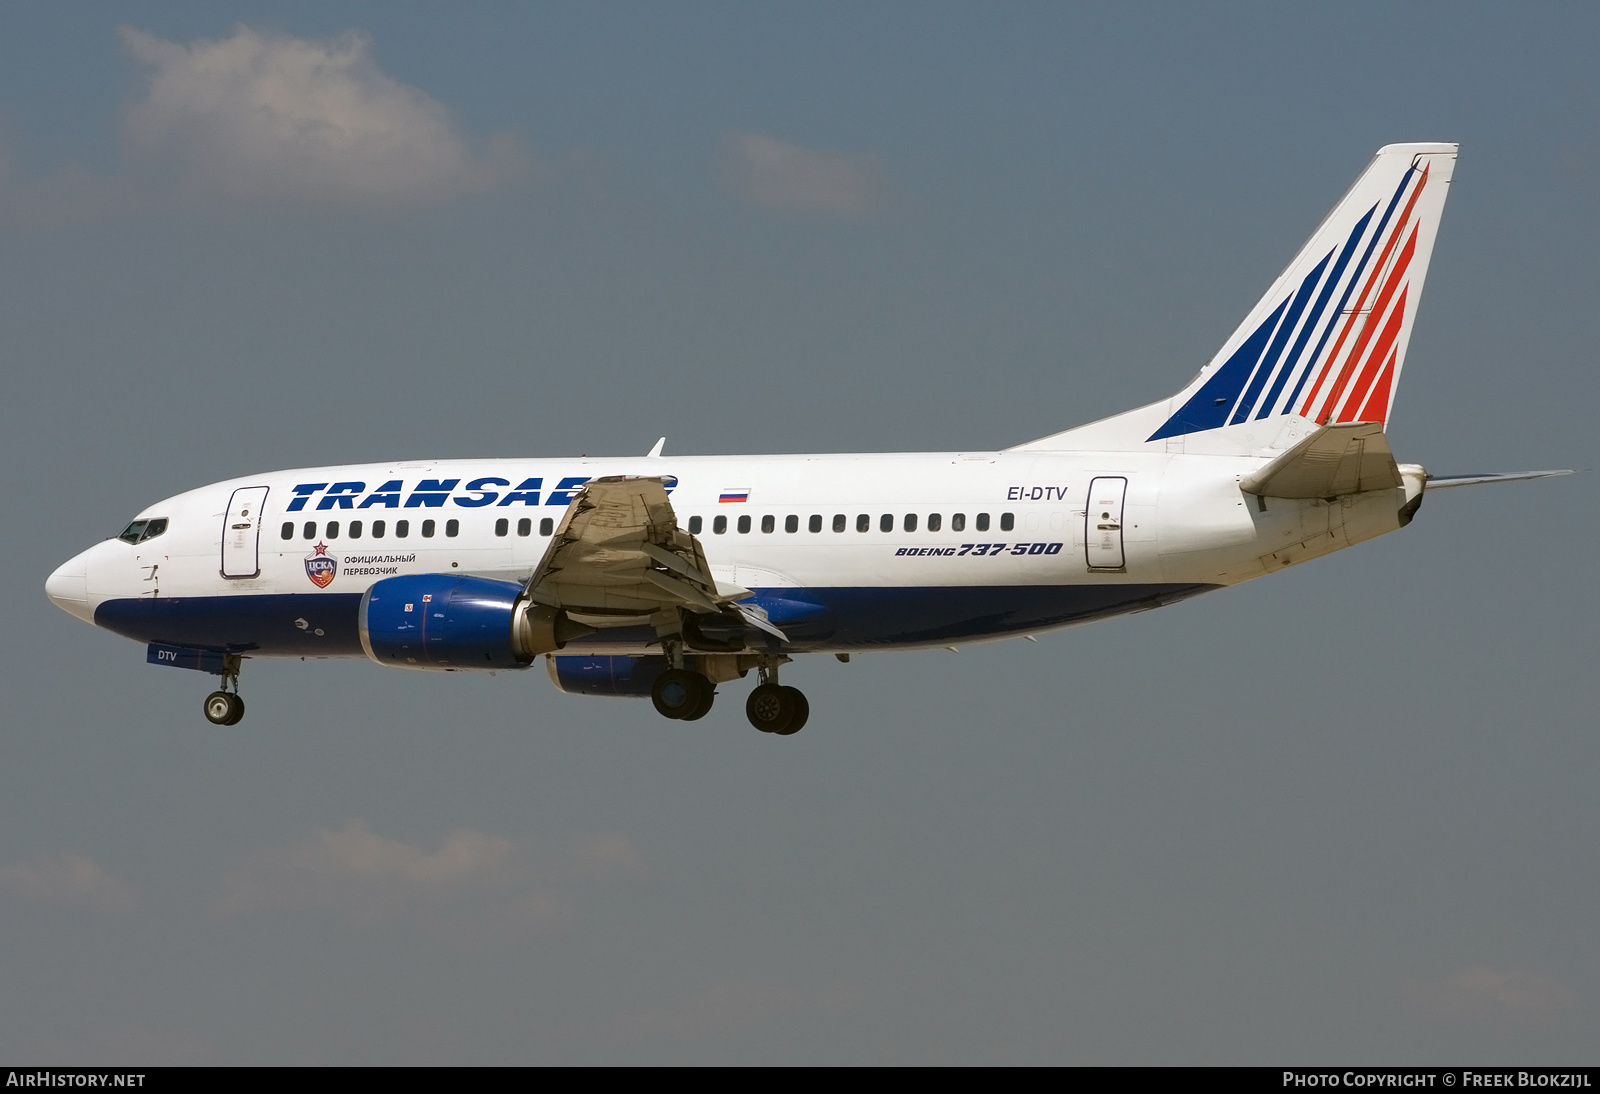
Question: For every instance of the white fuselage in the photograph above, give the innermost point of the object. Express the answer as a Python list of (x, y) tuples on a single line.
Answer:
[(997, 544)]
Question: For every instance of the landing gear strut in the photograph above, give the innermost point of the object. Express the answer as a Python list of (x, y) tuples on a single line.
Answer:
[(772, 708), (224, 707)]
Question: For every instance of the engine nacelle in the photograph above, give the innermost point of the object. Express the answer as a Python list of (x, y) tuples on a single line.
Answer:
[(632, 677), (629, 677), (448, 622)]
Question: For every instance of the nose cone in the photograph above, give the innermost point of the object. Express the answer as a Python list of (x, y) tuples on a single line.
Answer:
[(68, 588)]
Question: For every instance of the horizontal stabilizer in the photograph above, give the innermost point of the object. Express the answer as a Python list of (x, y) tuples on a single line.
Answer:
[(1346, 458), (1444, 482)]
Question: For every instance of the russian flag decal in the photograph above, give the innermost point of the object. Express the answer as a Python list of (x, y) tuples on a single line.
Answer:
[(735, 495)]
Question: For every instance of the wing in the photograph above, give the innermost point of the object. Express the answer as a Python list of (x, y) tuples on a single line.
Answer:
[(620, 559)]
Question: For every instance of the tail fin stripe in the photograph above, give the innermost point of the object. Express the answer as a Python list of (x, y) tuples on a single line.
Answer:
[(1376, 408), (1274, 354), (1354, 313), (1343, 386), (1353, 395), (1356, 277), (1311, 324), (1372, 272), (1210, 406)]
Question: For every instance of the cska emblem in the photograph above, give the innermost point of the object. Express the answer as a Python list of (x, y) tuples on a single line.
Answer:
[(320, 568)]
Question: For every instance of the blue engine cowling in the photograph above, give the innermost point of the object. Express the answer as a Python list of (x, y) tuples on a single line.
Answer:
[(631, 677), (449, 622)]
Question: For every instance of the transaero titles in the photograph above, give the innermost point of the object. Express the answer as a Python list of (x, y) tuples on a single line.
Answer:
[(434, 493)]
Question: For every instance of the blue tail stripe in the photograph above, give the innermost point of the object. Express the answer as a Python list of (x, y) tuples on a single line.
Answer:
[(1315, 318), (1274, 354), (1361, 268), (1209, 407)]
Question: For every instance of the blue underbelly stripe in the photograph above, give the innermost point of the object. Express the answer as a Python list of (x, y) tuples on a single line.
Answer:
[(324, 625)]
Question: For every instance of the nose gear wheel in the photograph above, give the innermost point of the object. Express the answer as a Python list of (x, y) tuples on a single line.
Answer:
[(224, 708)]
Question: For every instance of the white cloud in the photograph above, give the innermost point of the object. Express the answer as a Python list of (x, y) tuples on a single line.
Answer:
[(71, 880), (471, 886), (366, 874), (1481, 994), (262, 117), (769, 173)]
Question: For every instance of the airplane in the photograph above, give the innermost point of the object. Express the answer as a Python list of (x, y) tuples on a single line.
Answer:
[(666, 576)]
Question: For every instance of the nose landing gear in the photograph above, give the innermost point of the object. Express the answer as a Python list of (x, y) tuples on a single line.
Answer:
[(224, 707)]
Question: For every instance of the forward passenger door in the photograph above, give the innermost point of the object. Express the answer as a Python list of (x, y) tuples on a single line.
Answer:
[(241, 532)]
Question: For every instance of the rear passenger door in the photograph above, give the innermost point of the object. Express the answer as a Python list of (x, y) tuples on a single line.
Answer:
[(1102, 523)]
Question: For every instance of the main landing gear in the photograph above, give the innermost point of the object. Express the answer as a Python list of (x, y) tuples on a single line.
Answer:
[(683, 694), (224, 707), (775, 709), (780, 710)]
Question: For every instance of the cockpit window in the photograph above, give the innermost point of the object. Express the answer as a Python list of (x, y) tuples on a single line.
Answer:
[(141, 530)]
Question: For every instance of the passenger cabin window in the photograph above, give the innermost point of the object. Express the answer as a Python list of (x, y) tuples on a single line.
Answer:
[(525, 526), (402, 529), (768, 523), (886, 522), (983, 522), (427, 529), (310, 531), (502, 527), (791, 523), (378, 528), (287, 531), (934, 521), (1008, 521), (333, 529), (355, 529), (744, 525), (911, 522), (546, 526), (452, 528), (695, 524), (815, 523), (838, 522), (958, 522), (719, 525), (863, 522)]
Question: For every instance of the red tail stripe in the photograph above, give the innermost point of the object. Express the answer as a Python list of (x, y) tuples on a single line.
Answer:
[(1372, 277), (1342, 386), (1380, 348), (1375, 360), (1376, 408)]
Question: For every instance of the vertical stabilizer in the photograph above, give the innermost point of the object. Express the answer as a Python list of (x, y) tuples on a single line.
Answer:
[(1328, 340)]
